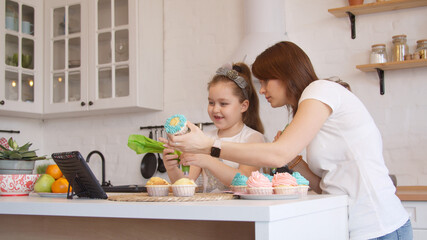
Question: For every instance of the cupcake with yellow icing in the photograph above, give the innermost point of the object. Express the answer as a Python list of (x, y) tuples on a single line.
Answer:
[(176, 125), (184, 187), (157, 187)]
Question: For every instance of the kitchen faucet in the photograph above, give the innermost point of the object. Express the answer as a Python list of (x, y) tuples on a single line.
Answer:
[(103, 166)]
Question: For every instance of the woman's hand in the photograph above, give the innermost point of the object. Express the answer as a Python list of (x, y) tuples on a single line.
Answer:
[(193, 142), (169, 159), (199, 160)]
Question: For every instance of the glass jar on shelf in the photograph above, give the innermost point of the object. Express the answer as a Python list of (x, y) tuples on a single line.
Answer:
[(421, 50), (400, 48), (378, 54)]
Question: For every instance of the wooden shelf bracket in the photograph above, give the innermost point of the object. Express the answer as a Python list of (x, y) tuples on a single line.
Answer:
[(352, 18)]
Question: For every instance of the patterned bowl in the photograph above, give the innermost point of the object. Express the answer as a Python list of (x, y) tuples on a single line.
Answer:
[(17, 184)]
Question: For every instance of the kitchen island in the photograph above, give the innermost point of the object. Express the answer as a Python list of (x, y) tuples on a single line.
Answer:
[(310, 217)]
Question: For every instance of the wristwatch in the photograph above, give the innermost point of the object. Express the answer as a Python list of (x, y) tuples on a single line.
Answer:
[(216, 149)]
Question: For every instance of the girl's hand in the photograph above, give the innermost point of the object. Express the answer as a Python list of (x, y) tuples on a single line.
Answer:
[(193, 142), (199, 160), (169, 159)]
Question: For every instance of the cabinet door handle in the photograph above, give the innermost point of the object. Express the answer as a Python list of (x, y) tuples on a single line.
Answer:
[(2, 102), (82, 104), (90, 103)]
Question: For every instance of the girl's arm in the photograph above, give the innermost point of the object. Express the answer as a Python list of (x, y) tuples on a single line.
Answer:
[(172, 167), (221, 171), (308, 120)]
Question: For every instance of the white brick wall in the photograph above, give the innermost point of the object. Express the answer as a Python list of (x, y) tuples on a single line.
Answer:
[(202, 35)]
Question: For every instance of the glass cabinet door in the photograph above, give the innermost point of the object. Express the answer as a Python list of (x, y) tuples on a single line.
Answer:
[(112, 60), (66, 54), (19, 54)]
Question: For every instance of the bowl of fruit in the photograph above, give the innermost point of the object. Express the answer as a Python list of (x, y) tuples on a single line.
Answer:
[(17, 184), (52, 183)]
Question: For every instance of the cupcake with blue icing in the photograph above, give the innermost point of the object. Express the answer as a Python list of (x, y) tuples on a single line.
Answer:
[(176, 125), (268, 176), (238, 185), (302, 183)]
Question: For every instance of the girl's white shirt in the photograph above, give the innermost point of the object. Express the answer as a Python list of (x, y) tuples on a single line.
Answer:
[(209, 181), (347, 155)]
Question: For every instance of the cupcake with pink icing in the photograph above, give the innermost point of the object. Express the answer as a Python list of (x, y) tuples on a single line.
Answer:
[(285, 183), (259, 184)]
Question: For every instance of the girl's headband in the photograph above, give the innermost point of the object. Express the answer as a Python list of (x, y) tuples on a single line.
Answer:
[(233, 75)]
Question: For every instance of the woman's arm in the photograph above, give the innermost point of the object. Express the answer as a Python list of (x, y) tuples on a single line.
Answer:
[(307, 122)]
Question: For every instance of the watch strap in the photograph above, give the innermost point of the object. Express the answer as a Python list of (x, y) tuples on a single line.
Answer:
[(216, 149)]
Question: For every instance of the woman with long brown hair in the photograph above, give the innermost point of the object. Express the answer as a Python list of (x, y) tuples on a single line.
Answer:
[(342, 142)]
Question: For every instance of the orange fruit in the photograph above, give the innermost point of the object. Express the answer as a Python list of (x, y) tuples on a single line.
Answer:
[(54, 171), (60, 186)]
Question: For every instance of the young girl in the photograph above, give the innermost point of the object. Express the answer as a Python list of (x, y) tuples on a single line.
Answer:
[(343, 144), (234, 109)]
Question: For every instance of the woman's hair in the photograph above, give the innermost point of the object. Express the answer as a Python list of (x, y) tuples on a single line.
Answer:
[(251, 117), (291, 65)]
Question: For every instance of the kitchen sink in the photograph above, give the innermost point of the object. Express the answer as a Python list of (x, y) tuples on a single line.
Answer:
[(124, 188)]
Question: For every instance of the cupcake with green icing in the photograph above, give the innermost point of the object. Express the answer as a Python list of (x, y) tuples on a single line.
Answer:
[(238, 185), (302, 183), (176, 125)]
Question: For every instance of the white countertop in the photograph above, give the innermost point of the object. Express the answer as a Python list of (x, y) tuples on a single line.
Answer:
[(224, 210)]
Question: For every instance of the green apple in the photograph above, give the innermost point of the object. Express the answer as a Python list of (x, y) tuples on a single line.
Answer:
[(44, 183)]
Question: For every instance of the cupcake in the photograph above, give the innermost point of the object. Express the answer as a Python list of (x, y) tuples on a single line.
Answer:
[(238, 185), (302, 183), (157, 187), (184, 187), (259, 184), (176, 125), (268, 176), (284, 183)]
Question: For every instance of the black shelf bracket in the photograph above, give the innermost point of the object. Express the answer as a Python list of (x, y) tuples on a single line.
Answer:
[(353, 24), (10, 131), (381, 77)]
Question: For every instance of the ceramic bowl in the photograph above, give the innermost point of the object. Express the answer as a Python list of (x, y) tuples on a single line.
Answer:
[(17, 184)]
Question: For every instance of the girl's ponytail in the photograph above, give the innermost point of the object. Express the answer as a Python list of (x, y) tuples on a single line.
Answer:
[(251, 117)]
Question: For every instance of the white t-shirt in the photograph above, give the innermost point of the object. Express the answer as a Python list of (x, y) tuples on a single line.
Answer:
[(209, 181), (347, 155)]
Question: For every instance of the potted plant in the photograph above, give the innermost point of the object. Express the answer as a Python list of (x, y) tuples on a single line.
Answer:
[(15, 159)]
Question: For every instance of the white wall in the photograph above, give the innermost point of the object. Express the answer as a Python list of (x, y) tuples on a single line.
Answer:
[(200, 36)]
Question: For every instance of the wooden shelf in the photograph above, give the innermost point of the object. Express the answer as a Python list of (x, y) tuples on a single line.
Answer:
[(376, 7), (380, 67), (391, 5), (412, 193), (393, 65)]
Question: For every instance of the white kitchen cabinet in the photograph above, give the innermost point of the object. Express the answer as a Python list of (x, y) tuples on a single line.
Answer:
[(21, 70), (418, 214), (103, 56)]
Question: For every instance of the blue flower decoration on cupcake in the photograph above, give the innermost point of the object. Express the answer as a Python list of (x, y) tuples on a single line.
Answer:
[(175, 124)]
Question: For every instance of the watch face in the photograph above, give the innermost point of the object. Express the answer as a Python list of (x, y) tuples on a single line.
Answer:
[(215, 152)]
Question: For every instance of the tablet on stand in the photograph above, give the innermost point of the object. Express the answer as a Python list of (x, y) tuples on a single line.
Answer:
[(81, 179)]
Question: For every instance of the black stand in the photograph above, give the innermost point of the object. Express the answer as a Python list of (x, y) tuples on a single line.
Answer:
[(82, 181)]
